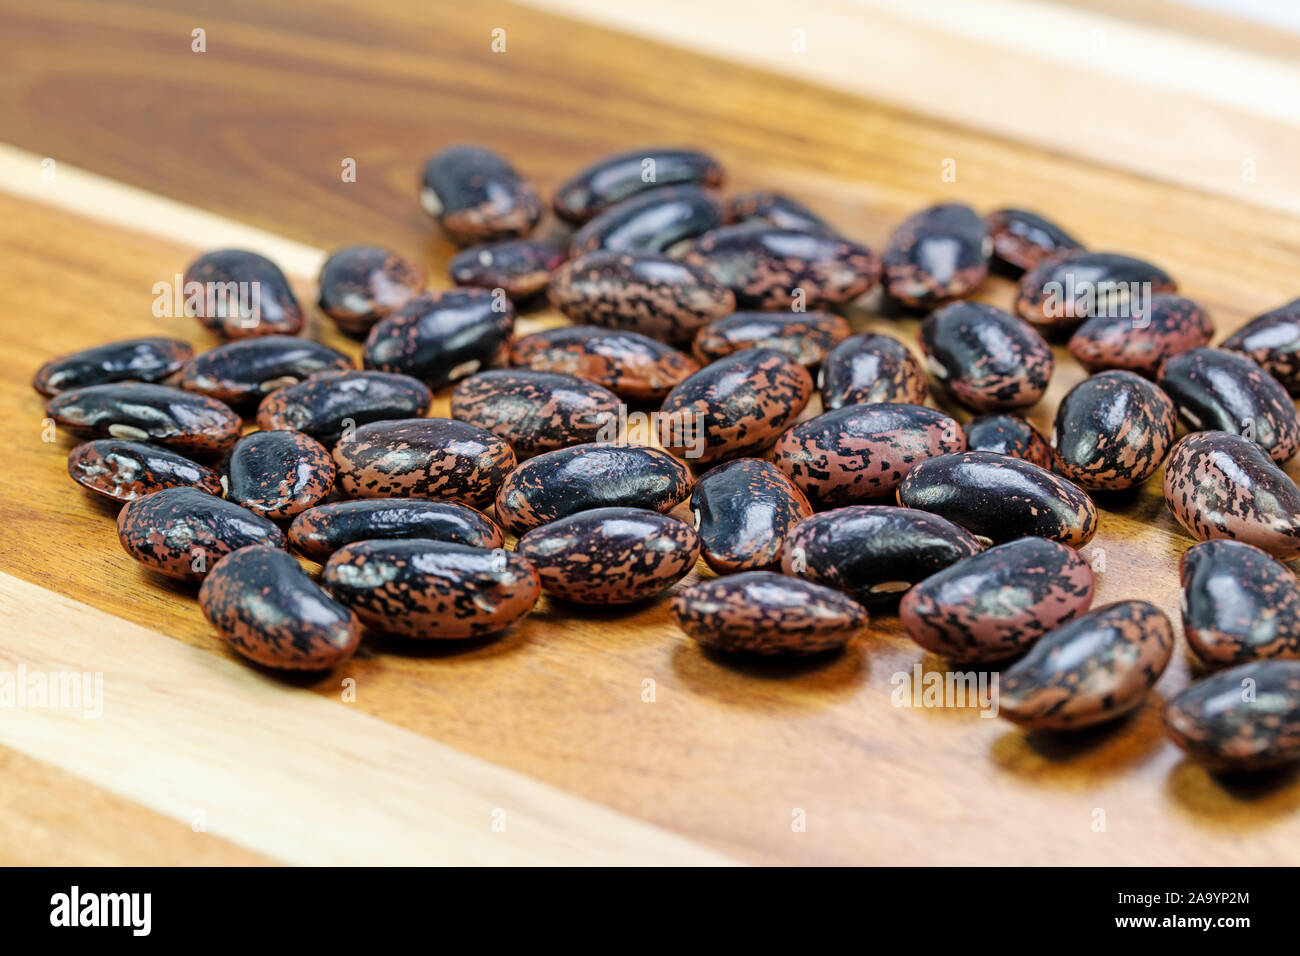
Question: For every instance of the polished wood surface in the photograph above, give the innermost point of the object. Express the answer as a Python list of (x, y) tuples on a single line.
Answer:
[(722, 758)]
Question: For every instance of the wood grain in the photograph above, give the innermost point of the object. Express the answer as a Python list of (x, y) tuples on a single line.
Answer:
[(222, 750), (56, 818), (724, 755), (1108, 85)]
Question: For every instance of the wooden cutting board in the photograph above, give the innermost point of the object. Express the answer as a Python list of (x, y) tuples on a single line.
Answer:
[(589, 736)]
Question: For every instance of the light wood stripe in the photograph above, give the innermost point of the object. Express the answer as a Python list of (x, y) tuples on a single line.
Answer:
[(1185, 109), (22, 173), (295, 776)]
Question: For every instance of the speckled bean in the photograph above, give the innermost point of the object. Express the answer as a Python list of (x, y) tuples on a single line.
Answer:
[(874, 552), (269, 610), (476, 196), (360, 285), (441, 337), (628, 364), (319, 532), (127, 470), (423, 458), (807, 337), (743, 511), (861, 452), (241, 373), (871, 368), (995, 605), (1000, 499), (770, 268), (569, 480), (1220, 485), (184, 532), (1094, 669), (650, 294), (1112, 431), (148, 360), (181, 421), (329, 403), (760, 612), (734, 407), (241, 294), (611, 555), (537, 411), (1239, 604)]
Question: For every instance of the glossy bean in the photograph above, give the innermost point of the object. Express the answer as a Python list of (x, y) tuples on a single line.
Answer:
[(277, 474), (1220, 485), (630, 365), (426, 589), (127, 470), (522, 267), (652, 222), (319, 532), (329, 403), (1239, 604), (360, 285), (734, 407), (743, 511), (1023, 239), (1113, 431), (241, 294), (760, 612), (1000, 499), (874, 552), (1246, 718), (1141, 340), (1064, 291), (1008, 435), (617, 178), (181, 421), (569, 480), (871, 368), (650, 294), (772, 209), (537, 411), (441, 337), (770, 268), (1273, 340), (937, 255), (149, 360), (1217, 390), (476, 196), (988, 360), (184, 532), (423, 458), (240, 373), (269, 610), (611, 555), (1094, 669), (995, 605), (861, 452), (807, 337)]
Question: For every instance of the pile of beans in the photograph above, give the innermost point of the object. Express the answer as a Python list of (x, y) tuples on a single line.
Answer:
[(718, 312)]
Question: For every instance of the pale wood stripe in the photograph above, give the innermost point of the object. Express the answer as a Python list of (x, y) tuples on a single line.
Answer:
[(22, 173), (1182, 108), (297, 777), (122, 206)]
